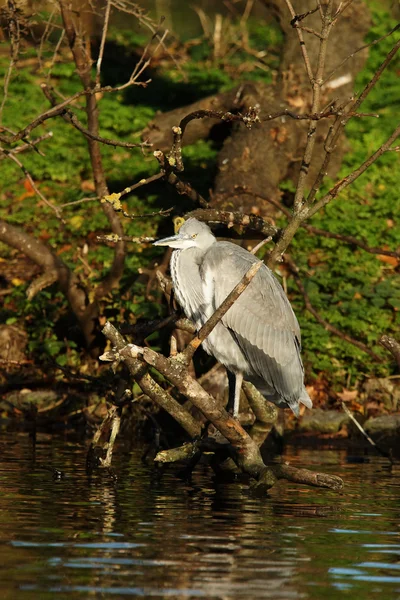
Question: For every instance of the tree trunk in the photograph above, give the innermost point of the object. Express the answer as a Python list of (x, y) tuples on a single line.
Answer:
[(258, 160)]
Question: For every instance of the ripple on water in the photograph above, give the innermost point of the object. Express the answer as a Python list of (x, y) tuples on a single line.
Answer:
[(148, 535)]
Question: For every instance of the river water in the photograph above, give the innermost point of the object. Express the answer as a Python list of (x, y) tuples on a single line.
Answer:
[(149, 534)]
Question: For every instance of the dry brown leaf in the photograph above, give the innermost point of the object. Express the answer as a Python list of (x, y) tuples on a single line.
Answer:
[(87, 185), (296, 101), (389, 260), (347, 395)]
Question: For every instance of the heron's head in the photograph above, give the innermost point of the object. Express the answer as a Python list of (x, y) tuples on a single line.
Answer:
[(192, 234)]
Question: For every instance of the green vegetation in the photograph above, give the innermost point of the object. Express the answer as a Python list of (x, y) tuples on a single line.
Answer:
[(355, 291)]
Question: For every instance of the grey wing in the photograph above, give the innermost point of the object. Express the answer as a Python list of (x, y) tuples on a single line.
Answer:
[(261, 320)]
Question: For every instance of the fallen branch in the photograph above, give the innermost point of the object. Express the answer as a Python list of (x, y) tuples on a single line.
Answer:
[(147, 384)]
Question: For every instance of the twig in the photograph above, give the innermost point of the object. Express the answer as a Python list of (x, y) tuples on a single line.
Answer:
[(303, 48), (373, 43), (349, 239), (249, 118), (346, 181), (56, 50), (180, 186), (295, 272), (103, 41), (365, 434), (14, 32), (139, 13), (142, 182), (12, 157), (261, 244), (48, 114), (114, 201), (71, 118), (332, 111), (112, 237), (82, 200), (248, 222), (30, 145)]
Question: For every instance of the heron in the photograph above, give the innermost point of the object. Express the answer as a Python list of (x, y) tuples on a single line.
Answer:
[(258, 338)]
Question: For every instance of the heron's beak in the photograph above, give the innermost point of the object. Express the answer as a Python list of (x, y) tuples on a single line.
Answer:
[(174, 241)]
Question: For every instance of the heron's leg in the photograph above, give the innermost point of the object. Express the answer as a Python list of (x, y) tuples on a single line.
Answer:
[(235, 381)]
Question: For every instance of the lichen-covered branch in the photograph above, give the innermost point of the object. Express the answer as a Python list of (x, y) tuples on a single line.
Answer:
[(148, 385)]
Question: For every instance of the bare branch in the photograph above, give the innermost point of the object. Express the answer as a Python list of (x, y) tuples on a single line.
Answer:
[(111, 237), (295, 272), (181, 187), (14, 33), (346, 181), (248, 222), (71, 118), (103, 41), (365, 434), (373, 43), (349, 239), (149, 387), (12, 157), (115, 202), (30, 145)]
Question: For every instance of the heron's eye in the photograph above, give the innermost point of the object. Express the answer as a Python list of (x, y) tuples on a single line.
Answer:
[(194, 236)]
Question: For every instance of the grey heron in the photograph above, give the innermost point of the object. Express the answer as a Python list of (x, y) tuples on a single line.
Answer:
[(259, 336)]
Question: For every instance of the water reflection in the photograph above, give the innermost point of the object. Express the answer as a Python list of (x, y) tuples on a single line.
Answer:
[(146, 535)]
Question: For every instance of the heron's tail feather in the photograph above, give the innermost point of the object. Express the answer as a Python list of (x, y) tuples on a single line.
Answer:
[(304, 399)]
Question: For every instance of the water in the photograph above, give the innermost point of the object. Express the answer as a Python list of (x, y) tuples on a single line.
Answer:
[(155, 536)]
